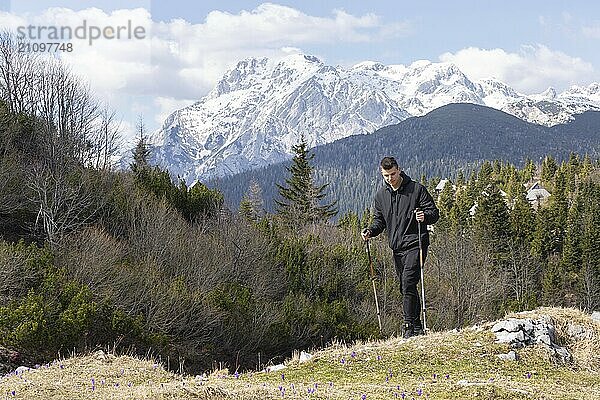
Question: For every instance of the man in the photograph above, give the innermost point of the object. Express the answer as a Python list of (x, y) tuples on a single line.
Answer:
[(399, 205)]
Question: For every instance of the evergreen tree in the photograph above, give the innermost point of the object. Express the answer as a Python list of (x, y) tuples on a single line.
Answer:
[(141, 153), (529, 170), (559, 206), (252, 204), (460, 179), (490, 221), (589, 245), (542, 236), (522, 220), (549, 168), (586, 167), (300, 198), (485, 178), (459, 215), (446, 200)]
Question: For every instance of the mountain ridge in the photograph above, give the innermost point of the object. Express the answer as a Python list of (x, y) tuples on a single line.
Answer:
[(261, 107)]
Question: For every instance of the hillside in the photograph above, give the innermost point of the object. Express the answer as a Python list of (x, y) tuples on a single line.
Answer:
[(444, 365), (446, 140)]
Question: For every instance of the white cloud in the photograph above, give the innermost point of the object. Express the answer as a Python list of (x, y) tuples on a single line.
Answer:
[(179, 60), (532, 69)]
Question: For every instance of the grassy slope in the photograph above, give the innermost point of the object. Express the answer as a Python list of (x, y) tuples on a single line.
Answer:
[(446, 365)]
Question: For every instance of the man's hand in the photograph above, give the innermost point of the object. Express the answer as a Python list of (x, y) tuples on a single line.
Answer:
[(366, 234), (420, 215)]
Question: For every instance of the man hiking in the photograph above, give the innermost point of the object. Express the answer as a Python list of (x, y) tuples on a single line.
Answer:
[(399, 206)]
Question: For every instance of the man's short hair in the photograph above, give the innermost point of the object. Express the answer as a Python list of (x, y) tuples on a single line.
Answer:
[(388, 163)]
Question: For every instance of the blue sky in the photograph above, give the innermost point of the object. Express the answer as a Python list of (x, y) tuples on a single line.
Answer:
[(529, 44)]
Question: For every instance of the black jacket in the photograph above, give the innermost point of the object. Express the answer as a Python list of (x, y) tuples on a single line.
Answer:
[(394, 211)]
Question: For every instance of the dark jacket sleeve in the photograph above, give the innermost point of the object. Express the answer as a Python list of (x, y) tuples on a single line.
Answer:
[(426, 203), (378, 221)]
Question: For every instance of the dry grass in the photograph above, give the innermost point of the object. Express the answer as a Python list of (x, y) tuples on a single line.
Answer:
[(445, 365)]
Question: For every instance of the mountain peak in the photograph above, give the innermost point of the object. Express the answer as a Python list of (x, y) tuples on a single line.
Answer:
[(260, 107), (549, 93), (368, 65)]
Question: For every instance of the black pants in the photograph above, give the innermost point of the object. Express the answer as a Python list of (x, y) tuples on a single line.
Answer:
[(408, 271)]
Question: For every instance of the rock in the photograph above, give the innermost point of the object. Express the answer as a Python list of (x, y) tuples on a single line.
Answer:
[(527, 332), (563, 354), (509, 325), (510, 356), (578, 332), (509, 337), (544, 339), (22, 369), (274, 368), (304, 356), (528, 326), (596, 316)]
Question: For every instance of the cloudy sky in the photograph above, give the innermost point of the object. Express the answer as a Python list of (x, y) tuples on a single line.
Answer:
[(185, 48)]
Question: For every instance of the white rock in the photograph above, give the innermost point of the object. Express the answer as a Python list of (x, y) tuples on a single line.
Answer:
[(509, 337), (563, 353), (304, 356), (528, 325), (577, 332), (22, 369), (543, 339), (274, 368), (509, 325), (510, 356)]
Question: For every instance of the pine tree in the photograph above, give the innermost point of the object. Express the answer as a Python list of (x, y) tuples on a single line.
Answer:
[(300, 198), (490, 221), (446, 200), (485, 176), (529, 170), (549, 168), (460, 179), (586, 167), (252, 204), (522, 220), (589, 245), (141, 153), (459, 215)]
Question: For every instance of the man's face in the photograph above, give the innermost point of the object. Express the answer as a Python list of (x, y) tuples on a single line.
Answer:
[(391, 176)]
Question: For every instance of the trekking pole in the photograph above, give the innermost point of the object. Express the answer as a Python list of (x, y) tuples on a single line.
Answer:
[(374, 289), (422, 275)]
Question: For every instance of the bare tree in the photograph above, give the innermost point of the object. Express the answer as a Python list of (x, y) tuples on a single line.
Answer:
[(11, 194), (66, 201), (523, 270), (17, 74), (590, 286), (462, 281), (70, 123)]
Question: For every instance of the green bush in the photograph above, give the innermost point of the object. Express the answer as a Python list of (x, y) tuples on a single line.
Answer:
[(57, 314)]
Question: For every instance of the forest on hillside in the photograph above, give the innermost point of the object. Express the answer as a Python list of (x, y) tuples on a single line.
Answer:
[(452, 139), (92, 257)]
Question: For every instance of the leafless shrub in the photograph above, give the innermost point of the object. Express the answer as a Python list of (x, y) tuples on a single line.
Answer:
[(17, 274), (462, 286)]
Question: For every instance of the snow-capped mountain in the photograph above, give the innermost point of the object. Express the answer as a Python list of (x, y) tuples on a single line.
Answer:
[(262, 107)]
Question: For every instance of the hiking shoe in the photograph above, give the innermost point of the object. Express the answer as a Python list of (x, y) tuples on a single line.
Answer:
[(418, 328), (409, 331)]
